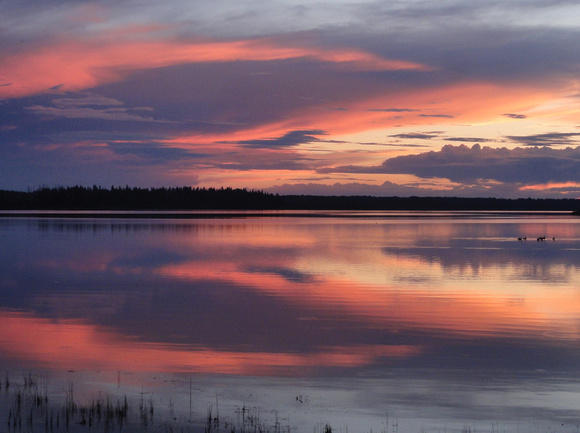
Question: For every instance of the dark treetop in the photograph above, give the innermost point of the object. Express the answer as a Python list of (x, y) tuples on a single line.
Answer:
[(188, 198)]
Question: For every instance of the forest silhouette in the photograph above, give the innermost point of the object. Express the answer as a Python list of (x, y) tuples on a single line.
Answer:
[(189, 198)]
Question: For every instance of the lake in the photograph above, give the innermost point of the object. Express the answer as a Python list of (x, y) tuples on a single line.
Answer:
[(362, 321)]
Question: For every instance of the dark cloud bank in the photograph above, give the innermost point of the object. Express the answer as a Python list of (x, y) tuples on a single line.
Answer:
[(476, 171), (468, 164)]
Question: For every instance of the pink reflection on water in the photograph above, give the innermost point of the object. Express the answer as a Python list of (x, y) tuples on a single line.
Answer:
[(73, 344), (460, 312)]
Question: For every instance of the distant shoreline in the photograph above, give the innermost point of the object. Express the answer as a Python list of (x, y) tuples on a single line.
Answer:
[(176, 201), (192, 215)]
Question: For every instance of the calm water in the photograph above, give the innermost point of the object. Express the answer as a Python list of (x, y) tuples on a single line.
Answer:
[(367, 321)]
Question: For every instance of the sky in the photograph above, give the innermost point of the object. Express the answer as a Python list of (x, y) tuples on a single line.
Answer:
[(400, 97)]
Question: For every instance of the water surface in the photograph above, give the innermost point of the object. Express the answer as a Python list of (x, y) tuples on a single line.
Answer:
[(368, 320)]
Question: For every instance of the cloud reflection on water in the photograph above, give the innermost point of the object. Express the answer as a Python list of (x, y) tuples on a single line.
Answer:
[(280, 297), (71, 345)]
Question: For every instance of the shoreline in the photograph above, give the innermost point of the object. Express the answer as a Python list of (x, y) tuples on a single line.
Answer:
[(266, 213)]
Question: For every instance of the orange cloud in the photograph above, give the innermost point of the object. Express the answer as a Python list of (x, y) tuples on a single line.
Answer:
[(452, 103), (77, 65), (551, 185)]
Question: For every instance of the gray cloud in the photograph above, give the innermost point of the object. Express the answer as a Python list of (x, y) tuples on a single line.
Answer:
[(393, 110), (350, 188), (257, 163), (440, 116), (547, 139), (438, 134), (415, 136), (225, 18), (89, 107), (515, 116), (225, 97), (114, 114), (290, 139), (532, 165), (389, 189), (87, 100), (150, 153), (468, 139), (403, 145)]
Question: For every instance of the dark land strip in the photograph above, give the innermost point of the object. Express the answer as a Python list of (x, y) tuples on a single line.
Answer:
[(175, 202)]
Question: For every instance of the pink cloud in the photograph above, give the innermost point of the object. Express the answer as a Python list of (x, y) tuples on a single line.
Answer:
[(75, 65)]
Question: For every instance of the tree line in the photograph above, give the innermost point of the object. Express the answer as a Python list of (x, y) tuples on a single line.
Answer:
[(190, 198)]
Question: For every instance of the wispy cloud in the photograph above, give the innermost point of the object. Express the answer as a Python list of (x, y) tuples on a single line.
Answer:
[(515, 116), (415, 136), (110, 59), (290, 139), (547, 139), (440, 116), (468, 139), (393, 110), (93, 107)]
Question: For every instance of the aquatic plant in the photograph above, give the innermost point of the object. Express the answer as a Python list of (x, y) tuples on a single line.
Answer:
[(30, 409)]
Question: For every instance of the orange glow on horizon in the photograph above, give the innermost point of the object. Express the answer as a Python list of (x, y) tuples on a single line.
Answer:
[(550, 185)]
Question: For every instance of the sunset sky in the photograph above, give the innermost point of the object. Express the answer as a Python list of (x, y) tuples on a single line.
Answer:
[(403, 97)]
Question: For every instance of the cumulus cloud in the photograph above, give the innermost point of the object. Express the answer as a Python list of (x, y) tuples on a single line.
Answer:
[(390, 189), (349, 188), (461, 163)]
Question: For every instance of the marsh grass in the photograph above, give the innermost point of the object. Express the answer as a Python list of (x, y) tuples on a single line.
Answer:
[(29, 409), (26, 408), (29, 402)]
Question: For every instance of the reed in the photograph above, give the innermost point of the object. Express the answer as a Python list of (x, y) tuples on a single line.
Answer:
[(31, 410)]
